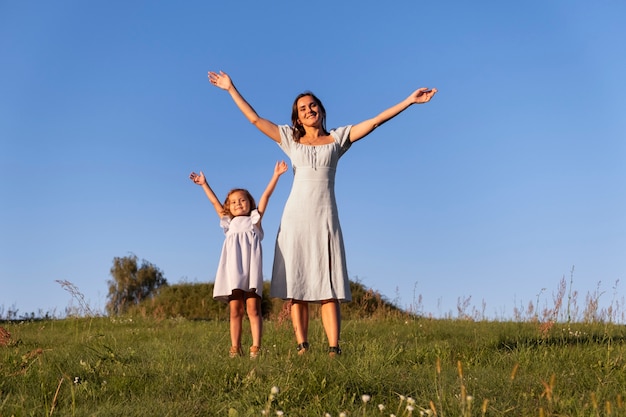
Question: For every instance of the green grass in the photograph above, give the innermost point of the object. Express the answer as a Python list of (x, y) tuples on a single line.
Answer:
[(176, 367)]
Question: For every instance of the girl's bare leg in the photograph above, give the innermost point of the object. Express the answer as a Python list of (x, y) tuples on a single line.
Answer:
[(236, 307), (253, 306)]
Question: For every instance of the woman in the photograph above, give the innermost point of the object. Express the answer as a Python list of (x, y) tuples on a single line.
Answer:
[(309, 259)]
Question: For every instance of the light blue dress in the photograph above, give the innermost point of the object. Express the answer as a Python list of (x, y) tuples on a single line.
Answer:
[(309, 258), (241, 262)]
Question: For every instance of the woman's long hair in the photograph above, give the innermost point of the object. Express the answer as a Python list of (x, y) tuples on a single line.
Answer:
[(298, 129)]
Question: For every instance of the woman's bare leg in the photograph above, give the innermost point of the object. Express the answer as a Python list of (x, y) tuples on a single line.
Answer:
[(331, 319), (300, 320)]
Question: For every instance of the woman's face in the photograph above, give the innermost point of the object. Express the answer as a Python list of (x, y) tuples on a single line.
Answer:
[(308, 111)]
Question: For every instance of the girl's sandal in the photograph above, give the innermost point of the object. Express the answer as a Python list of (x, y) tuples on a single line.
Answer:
[(303, 348), (255, 351), (334, 351), (235, 351)]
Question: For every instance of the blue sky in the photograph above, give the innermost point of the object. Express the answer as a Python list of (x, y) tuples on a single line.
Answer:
[(514, 174)]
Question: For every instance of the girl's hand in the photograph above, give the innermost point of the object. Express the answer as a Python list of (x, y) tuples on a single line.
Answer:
[(280, 168), (221, 80), (422, 95), (197, 178)]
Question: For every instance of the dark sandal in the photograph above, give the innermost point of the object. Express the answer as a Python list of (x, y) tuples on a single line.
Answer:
[(302, 348), (334, 350)]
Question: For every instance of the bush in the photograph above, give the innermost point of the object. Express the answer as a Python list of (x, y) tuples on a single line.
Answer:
[(195, 302)]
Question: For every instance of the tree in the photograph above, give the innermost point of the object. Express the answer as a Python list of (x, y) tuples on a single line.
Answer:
[(132, 284)]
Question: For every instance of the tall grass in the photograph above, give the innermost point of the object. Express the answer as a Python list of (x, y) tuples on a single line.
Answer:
[(558, 360), (176, 367)]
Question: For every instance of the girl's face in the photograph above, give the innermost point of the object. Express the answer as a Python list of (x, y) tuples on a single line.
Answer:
[(238, 204), (308, 111)]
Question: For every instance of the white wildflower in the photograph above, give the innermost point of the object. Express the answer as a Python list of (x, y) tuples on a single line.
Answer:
[(381, 407), (410, 401), (275, 390), (365, 398)]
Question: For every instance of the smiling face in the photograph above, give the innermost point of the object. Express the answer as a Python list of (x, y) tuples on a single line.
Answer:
[(239, 202), (307, 110)]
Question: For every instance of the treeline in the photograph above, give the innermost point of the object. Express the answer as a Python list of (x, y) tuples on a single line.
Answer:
[(140, 288)]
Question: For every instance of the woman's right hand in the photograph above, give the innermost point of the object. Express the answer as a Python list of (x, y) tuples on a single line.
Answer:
[(221, 80)]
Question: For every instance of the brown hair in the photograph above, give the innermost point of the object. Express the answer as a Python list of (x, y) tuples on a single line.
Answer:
[(298, 129), (225, 205)]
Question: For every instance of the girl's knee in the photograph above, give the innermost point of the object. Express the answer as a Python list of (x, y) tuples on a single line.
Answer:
[(236, 309), (254, 311)]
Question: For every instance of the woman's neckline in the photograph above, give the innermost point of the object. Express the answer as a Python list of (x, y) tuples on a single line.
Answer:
[(314, 145)]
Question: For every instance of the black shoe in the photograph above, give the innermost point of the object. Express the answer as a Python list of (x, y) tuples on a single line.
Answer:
[(334, 351), (302, 348)]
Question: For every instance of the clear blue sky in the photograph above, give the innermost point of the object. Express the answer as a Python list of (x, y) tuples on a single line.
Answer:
[(512, 175)]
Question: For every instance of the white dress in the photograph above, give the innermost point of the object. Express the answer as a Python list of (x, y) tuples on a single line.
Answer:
[(241, 262), (309, 258)]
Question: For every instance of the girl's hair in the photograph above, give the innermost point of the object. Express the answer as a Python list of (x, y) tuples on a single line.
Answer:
[(298, 129), (225, 206)]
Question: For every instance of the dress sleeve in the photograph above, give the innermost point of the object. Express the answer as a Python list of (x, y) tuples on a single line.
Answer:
[(286, 139), (342, 137), (255, 216), (225, 223)]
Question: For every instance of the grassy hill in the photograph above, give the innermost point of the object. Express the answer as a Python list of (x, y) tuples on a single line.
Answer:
[(394, 364), (194, 301)]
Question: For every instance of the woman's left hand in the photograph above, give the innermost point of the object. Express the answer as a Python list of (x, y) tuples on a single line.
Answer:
[(422, 95)]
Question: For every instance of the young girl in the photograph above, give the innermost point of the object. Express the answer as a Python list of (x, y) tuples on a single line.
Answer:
[(239, 278)]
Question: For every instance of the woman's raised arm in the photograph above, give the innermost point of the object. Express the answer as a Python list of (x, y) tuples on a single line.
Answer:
[(223, 81), (419, 96)]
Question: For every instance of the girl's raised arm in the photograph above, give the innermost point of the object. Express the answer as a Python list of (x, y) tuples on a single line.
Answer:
[(223, 81), (201, 180), (279, 169), (419, 96)]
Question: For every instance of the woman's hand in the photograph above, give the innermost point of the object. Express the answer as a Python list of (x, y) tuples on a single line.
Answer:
[(221, 80), (422, 95)]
